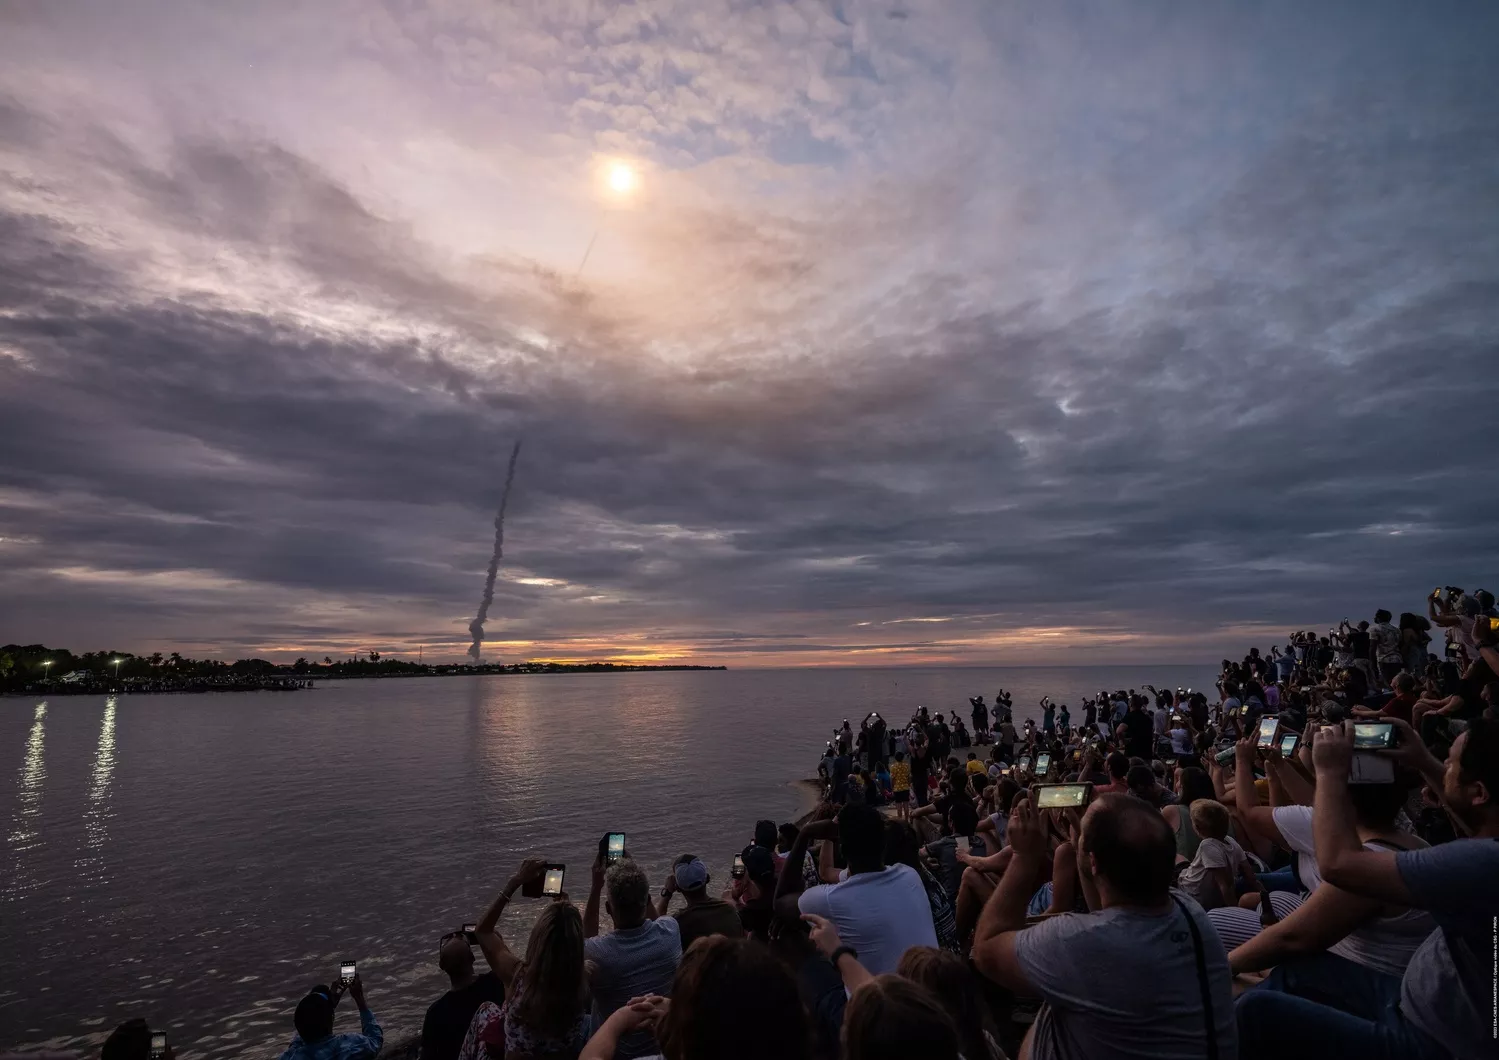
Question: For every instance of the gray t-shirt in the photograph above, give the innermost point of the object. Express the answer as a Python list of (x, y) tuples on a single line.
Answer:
[(631, 963), (1123, 983), (1447, 989)]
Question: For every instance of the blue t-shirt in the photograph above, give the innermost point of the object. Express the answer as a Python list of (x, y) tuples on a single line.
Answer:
[(1448, 986), (632, 963)]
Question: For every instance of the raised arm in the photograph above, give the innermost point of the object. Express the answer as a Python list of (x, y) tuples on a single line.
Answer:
[(790, 885), (1003, 917), (486, 933), (1246, 802), (1341, 857)]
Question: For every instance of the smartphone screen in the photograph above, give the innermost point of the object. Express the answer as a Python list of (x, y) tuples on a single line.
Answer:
[(347, 970), (1267, 732), (615, 848), (1288, 744), (1043, 762), (1368, 735), (1025, 762), (738, 869), (1061, 796), (158, 1045), (551, 885)]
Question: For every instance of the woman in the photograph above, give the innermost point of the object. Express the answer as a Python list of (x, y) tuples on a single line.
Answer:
[(1414, 639), (731, 999), (892, 1017), (903, 847), (545, 1014), (952, 983), (1191, 784)]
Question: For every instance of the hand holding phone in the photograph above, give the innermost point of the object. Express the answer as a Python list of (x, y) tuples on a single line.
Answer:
[(612, 847), (738, 870), (347, 972), (158, 1045)]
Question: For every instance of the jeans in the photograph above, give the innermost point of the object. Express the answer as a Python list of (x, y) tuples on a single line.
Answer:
[(1279, 880), (1323, 1005)]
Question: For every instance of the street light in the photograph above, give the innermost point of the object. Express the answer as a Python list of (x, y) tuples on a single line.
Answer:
[(46, 671), (117, 670)]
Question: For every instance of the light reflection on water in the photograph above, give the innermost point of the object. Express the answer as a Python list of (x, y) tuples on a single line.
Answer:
[(218, 854), (96, 819), (24, 835)]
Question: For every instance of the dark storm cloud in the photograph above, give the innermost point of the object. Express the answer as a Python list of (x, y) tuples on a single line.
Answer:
[(1301, 412)]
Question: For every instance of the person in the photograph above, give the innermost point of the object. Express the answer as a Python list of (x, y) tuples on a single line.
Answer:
[(880, 910), (1444, 1004), (131, 1040), (1136, 731), (638, 957), (446, 1022), (1145, 785), (892, 1018), (1384, 647), (545, 1011), (980, 716), (1209, 876), (960, 822), (974, 765), (949, 979), (1090, 716), (1399, 705), (921, 763), (313, 1020), (757, 910), (1167, 992), (1117, 765), (703, 915), (1191, 784), (730, 999), (1007, 739), (900, 787)]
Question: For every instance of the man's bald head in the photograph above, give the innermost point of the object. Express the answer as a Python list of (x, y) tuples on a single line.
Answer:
[(1132, 846), (456, 957)]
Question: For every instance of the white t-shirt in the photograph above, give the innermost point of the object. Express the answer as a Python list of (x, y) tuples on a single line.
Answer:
[(1181, 742), (880, 914), (1161, 720), (1385, 944), (1211, 854)]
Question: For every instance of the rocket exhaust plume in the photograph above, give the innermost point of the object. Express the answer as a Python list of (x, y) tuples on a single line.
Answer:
[(476, 627)]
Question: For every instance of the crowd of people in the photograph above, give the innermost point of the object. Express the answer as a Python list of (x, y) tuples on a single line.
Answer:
[(1301, 863)]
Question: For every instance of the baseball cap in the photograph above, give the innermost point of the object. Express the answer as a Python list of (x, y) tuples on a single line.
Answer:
[(691, 875)]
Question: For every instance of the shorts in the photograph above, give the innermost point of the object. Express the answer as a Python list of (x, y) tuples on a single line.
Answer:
[(900, 798)]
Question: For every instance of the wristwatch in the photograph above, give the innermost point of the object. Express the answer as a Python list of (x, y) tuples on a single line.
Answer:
[(840, 951)]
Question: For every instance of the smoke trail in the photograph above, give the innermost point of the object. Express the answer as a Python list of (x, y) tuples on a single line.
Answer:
[(476, 627)]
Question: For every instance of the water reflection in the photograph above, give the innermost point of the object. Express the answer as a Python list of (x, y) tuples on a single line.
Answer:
[(24, 835), (96, 817)]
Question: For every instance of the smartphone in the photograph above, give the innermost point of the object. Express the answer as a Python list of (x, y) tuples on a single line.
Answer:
[(1024, 762), (613, 847), (1268, 728), (470, 932), (1373, 735), (347, 970), (1043, 763), (1061, 796), (1225, 756), (158, 1045), (1288, 742), (738, 870), (1493, 625), (1176, 719), (551, 881), (964, 846)]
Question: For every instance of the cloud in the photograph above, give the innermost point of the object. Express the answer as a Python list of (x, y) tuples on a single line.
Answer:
[(981, 408)]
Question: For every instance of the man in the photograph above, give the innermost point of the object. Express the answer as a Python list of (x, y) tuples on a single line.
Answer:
[(448, 1017), (757, 909), (1136, 732), (879, 740), (1144, 785), (639, 957), (1007, 738), (1117, 765), (1090, 716), (704, 915), (1446, 994), (1168, 990), (961, 821), (1064, 719), (1048, 717), (313, 1019), (1398, 706), (879, 911), (1384, 647), (1285, 665), (921, 764), (131, 1040)]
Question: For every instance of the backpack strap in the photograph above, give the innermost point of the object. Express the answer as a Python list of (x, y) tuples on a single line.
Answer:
[(1210, 1024)]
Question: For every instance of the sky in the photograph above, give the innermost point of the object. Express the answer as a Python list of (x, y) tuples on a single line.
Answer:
[(932, 331)]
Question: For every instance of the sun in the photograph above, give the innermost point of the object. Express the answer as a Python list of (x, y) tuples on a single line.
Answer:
[(621, 178)]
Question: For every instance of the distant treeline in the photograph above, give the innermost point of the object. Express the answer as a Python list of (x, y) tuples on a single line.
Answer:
[(25, 665)]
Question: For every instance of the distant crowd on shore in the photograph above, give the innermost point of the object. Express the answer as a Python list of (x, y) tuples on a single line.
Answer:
[(1299, 863)]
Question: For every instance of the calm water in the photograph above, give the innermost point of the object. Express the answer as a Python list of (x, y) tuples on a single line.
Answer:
[(200, 860)]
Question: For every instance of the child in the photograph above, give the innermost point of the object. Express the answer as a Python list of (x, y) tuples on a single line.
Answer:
[(900, 786), (882, 778), (1209, 877)]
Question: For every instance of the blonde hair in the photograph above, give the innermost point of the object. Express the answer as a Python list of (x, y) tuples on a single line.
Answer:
[(1209, 818)]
